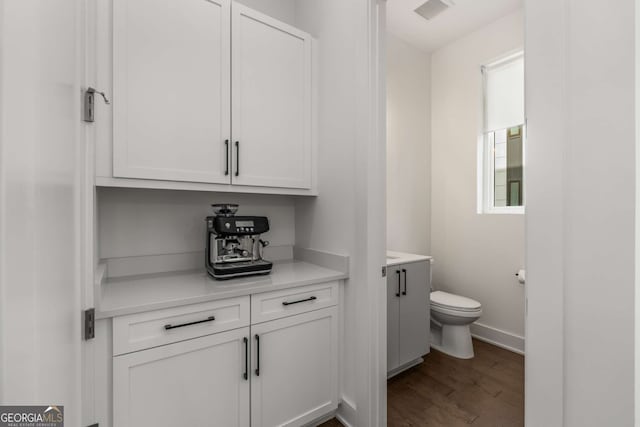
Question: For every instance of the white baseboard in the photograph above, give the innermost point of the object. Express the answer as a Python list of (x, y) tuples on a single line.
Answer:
[(392, 373), (497, 337), (346, 413)]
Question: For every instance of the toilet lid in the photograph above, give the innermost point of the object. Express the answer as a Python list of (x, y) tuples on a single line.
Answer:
[(445, 299)]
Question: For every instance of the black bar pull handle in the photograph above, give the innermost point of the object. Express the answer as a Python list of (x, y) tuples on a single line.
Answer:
[(226, 145), (299, 301), (405, 281), (237, 158), (170, 326), (398, 273), (258, 355), (246, 358)]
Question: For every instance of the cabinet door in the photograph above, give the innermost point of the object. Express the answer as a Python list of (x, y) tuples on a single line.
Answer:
[(171, 86), (198, 382), (271, 119), (295, 369), (393, 317), (414, 311)]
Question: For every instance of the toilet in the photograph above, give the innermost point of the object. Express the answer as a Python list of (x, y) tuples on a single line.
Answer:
[(451, 316)]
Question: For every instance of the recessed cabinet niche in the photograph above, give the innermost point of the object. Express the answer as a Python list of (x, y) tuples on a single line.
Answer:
[(209, 92)]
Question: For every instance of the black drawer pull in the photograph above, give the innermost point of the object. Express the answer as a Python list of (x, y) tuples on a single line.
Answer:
[(226, 144), (299, 301), (246, 358), (398, 273), (405, 281), (208, 319), (257, 355), (237, 158)]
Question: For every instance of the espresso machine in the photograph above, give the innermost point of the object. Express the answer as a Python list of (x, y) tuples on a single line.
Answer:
[(234, 246)]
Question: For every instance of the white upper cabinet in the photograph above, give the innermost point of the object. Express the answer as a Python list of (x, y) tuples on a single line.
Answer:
[(171, 84), (271, 101), (207, 95)]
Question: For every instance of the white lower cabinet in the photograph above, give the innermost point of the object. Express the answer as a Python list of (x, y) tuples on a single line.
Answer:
[(295, 377), (199, 382), (281, 372)]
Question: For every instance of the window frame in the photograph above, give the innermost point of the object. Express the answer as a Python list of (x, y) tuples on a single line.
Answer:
[(486, 147)]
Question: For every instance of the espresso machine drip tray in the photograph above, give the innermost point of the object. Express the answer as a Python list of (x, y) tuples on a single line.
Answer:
[(230, 270)]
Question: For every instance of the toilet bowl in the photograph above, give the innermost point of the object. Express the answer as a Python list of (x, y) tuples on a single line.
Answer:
[(451, 316)]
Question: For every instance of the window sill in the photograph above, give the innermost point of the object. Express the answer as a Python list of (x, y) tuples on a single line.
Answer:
[(506, 210)]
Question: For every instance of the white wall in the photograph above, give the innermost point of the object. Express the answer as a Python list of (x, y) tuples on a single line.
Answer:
[(475, 255), (580, 213), (135, 222), (346, 217), (408, 148), (41, 159), (328, 222)]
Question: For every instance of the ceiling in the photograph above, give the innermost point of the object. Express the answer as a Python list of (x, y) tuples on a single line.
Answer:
[(459, 20)]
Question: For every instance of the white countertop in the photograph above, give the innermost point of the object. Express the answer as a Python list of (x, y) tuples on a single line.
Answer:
[(396, 258), (127, 295)]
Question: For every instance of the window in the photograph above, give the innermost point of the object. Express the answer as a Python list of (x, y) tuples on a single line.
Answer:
[(501, 144)]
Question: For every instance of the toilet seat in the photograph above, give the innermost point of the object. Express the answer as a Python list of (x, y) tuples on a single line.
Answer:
[(445, 302)]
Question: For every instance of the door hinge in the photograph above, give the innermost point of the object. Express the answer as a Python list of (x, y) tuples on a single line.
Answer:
[(89, 320), (384, 271), (90, 103)]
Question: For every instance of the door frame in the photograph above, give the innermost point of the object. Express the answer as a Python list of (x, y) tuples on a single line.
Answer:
[(370, 249)]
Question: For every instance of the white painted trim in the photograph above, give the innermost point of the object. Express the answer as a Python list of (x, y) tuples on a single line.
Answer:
[(404, 367), (637, 221), (505, 210), (498, 337), (321, 420), (346, 412), (546, 113), (370, 209), (106, 181)]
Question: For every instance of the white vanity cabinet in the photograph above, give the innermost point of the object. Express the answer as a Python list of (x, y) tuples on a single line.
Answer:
[(408, 304), (179, 69), (219, 364)]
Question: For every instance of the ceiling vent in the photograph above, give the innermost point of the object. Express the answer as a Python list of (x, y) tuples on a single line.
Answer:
[(432, 8)]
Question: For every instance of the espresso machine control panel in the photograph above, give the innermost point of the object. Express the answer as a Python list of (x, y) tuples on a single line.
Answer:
[(238, 225)]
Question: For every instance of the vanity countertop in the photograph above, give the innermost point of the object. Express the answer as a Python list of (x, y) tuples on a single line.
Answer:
[(397, 258), (135, 294)]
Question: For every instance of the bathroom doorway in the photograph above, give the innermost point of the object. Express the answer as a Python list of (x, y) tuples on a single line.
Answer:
[(456, 193)]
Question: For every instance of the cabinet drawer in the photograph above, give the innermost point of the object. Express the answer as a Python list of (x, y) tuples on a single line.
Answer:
[(277, 304), (151, 329)]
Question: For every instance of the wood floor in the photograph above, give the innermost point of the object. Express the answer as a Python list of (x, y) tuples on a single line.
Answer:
[(486, 391)]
